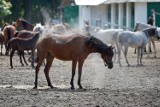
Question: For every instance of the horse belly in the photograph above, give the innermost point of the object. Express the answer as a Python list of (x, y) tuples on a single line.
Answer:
[(135, 44), (68, 52)]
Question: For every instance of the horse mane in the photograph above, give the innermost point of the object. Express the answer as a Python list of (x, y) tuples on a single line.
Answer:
[(25, 23), (97, 44), (149, 31)]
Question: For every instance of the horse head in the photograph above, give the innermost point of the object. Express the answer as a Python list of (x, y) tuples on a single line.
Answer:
[(151, 32), (18, 22), (135, 27), (156, 34), (105, 51), (107, 55)]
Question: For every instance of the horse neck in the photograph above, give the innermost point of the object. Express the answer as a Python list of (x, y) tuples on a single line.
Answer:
[(148, 35), (26, 25), (35, 38), (141, 27)]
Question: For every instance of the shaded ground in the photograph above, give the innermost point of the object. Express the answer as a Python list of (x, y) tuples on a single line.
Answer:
[(119, 87)]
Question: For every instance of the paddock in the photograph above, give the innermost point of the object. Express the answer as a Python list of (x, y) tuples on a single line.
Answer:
[(119, 86)]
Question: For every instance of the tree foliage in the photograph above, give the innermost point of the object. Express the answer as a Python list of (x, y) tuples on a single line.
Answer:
[(31, 10), (5, 8)]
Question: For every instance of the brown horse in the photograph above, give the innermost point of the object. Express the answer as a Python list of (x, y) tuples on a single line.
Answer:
[(73, 48), (8, 31), (24, 24), (20, 43)]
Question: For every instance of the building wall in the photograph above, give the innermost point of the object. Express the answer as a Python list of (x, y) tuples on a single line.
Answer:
[(141, 12), (98, 12), (132, 13), (84, 15)]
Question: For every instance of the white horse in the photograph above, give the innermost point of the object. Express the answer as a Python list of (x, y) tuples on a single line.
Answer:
[(140, 26), (137, 40), (108, 36), (38, 28)]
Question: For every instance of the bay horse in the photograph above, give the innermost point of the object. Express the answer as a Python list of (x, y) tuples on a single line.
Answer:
[(8, 31), (21, 44), (137, 40), (23, 34), (73, 48), (24, 24)]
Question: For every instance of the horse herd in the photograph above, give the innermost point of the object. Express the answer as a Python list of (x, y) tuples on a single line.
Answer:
[(53, 42)]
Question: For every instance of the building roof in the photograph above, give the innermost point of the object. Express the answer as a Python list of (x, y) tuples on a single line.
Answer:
[(89, 2), (124, 1), (97, 2)]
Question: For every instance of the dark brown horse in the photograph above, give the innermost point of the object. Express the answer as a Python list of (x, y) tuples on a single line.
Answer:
[(21, 44), (8, 31), (73, 48), (24, 24)]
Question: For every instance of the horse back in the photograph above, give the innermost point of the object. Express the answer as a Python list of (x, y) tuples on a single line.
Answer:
[(25, 34), (8, 32), (61, 47)]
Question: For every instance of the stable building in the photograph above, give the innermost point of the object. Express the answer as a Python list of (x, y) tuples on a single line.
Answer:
[(117, 13)]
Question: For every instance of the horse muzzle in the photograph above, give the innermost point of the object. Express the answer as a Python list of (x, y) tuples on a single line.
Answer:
[(109, 64)]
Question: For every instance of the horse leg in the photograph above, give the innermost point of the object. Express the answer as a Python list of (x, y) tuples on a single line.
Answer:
[(125, 55), (119, 52), (153, 42), (1, 47), (114, 57), (80, 65), (138, 55), (32, 63), (74, 63), (20, 57), (49, 60), (6, 49), (40, 61), (142, 49), (135, 51), (149, 46), (24, 58), (11, 56)]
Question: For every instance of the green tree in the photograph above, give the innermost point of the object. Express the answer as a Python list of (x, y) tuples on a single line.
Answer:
[(4, 10)]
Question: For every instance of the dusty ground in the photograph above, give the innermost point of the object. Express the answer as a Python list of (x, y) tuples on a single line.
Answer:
[(135, 86)]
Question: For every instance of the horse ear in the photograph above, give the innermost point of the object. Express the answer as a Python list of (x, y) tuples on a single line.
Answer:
[(112, 47)]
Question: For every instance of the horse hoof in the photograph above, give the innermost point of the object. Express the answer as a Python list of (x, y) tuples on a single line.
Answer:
[(34, 87), (72, 88), (52, 87), (80, 87)]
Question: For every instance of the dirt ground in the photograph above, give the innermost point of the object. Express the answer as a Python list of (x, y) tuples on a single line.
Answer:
[(135, 86)]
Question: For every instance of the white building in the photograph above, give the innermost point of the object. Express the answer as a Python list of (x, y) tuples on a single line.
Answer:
[(117, 13)]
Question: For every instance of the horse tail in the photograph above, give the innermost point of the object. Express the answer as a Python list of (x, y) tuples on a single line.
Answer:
[(8, 46), (9, 33), (9, 37)]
